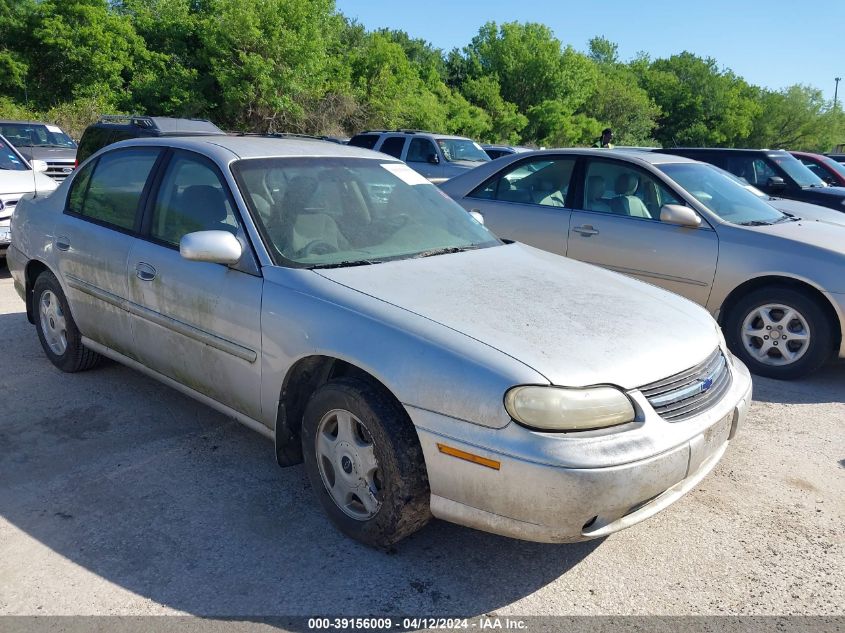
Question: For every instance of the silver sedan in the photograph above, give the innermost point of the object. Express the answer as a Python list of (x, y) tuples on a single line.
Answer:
[(334, 300), (774, 281)]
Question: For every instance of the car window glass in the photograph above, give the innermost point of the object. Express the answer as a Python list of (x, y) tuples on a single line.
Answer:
[(755, 171), (367, 141), (818, 170), (393, 146), (544, 181), (420, 150), (79, 188), (621, 189), (116, 186), (9, 159), (191, 198)]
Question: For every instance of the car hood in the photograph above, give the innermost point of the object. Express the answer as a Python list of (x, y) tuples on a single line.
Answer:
[(818, 233), (48, 153), (808, 211), (465, 164), (825, 193), (22, 182), (574, 323)]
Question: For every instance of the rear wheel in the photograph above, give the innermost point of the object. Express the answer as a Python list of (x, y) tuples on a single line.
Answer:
[(779, 333), (57, 330), (365, 463)]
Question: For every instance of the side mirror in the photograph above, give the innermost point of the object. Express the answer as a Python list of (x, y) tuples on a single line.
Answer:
[(38, 165), (434, 159), (479, 217), (680, 215), (216, 247), (775, 182)]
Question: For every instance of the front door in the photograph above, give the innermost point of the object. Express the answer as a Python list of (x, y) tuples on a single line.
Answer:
[(618, 227), (526, 202), (197, 323), (422, 156)]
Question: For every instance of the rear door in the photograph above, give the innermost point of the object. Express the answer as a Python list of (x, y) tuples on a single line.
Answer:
[(197, 322), (617, 226), (527, 201), (94, 237)]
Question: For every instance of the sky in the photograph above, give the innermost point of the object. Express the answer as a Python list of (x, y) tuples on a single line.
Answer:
[(771, 43)]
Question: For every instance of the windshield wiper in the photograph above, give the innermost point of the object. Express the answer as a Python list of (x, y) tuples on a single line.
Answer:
[(755, 223), (345, 264), (445, 251)]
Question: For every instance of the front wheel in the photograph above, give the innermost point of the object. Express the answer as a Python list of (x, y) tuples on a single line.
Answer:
[(779, 333), (57, 330), (365, 462)]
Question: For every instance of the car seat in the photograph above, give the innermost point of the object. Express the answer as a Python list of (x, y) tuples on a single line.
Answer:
[(595, 195), (625, 202)]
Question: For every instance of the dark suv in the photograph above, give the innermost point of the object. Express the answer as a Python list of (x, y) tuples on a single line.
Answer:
[(776, 172), (113, 128)]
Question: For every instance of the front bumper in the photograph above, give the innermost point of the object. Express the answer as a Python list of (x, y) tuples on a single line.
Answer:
[(564, 488)]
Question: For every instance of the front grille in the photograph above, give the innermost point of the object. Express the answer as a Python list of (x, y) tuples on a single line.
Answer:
[(56, 169), (690, 392)]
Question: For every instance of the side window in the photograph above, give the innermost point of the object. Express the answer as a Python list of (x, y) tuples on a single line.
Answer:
[(92, 139), (393, 146), (367, 141), (191, 198), (420, 151), (79, 188), (544, 181), (817, 169), (620, 189), (755, 171), (116, 185)]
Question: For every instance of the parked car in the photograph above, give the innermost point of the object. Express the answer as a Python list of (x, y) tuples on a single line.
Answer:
[(416, 363), (830, 171), (42, 141), (497, 151), (113, 128), (18, 177), (839, 158), (687, 227), (438, 157), (775, 172)]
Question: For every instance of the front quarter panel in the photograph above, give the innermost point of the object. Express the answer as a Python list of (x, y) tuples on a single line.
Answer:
[(424, 364)]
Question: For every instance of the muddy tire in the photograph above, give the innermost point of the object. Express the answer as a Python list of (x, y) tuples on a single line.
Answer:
[(57, 330), (779, 333), (364, 462)]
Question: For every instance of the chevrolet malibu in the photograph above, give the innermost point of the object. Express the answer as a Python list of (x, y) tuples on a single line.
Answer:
[(334, 300), (775, 281)]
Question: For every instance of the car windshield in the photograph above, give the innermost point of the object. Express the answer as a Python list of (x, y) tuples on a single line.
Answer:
[(35, 135), (9, 159), (799, 172), (334, 212), (462, 149), (724, 196), (833, 165)]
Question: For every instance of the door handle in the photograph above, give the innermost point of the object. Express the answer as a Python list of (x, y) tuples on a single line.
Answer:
[(586, 230), (62, 243), (145, 272)]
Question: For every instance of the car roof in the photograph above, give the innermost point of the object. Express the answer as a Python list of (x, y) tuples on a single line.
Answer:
[(809, 154), (228, 147), (23, 122), (734, 150), (652, 158)]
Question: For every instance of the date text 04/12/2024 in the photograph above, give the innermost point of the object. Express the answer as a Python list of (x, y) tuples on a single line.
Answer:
[(415, 624)]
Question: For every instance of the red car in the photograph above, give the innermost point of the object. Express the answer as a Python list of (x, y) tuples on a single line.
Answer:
[(829, 170)]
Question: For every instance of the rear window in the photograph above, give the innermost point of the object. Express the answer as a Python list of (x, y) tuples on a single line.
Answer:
[(367, 141), (92, 140), (114, 189)]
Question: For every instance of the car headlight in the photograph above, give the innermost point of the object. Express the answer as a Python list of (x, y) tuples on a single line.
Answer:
[(565, 409)]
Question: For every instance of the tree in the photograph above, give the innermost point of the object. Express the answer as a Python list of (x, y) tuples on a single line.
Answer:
[(797, 118)]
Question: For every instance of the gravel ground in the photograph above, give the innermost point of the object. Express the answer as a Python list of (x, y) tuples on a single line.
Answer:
[(121, 496)]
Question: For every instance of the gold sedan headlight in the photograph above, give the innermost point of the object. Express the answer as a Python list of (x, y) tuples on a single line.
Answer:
[(564, 409)]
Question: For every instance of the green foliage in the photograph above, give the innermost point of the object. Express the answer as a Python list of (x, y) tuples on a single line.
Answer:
[(299, 65)]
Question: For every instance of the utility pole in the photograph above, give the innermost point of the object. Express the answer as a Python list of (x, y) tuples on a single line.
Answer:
[(836, 90)]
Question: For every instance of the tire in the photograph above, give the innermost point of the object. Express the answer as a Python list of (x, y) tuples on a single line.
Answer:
[(400, 503), (746, 319), (69, 354)]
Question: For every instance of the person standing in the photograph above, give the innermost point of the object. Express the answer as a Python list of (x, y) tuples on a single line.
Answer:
[(606, 140)]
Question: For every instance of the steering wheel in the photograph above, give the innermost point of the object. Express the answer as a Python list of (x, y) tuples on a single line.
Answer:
[(318, 247)]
